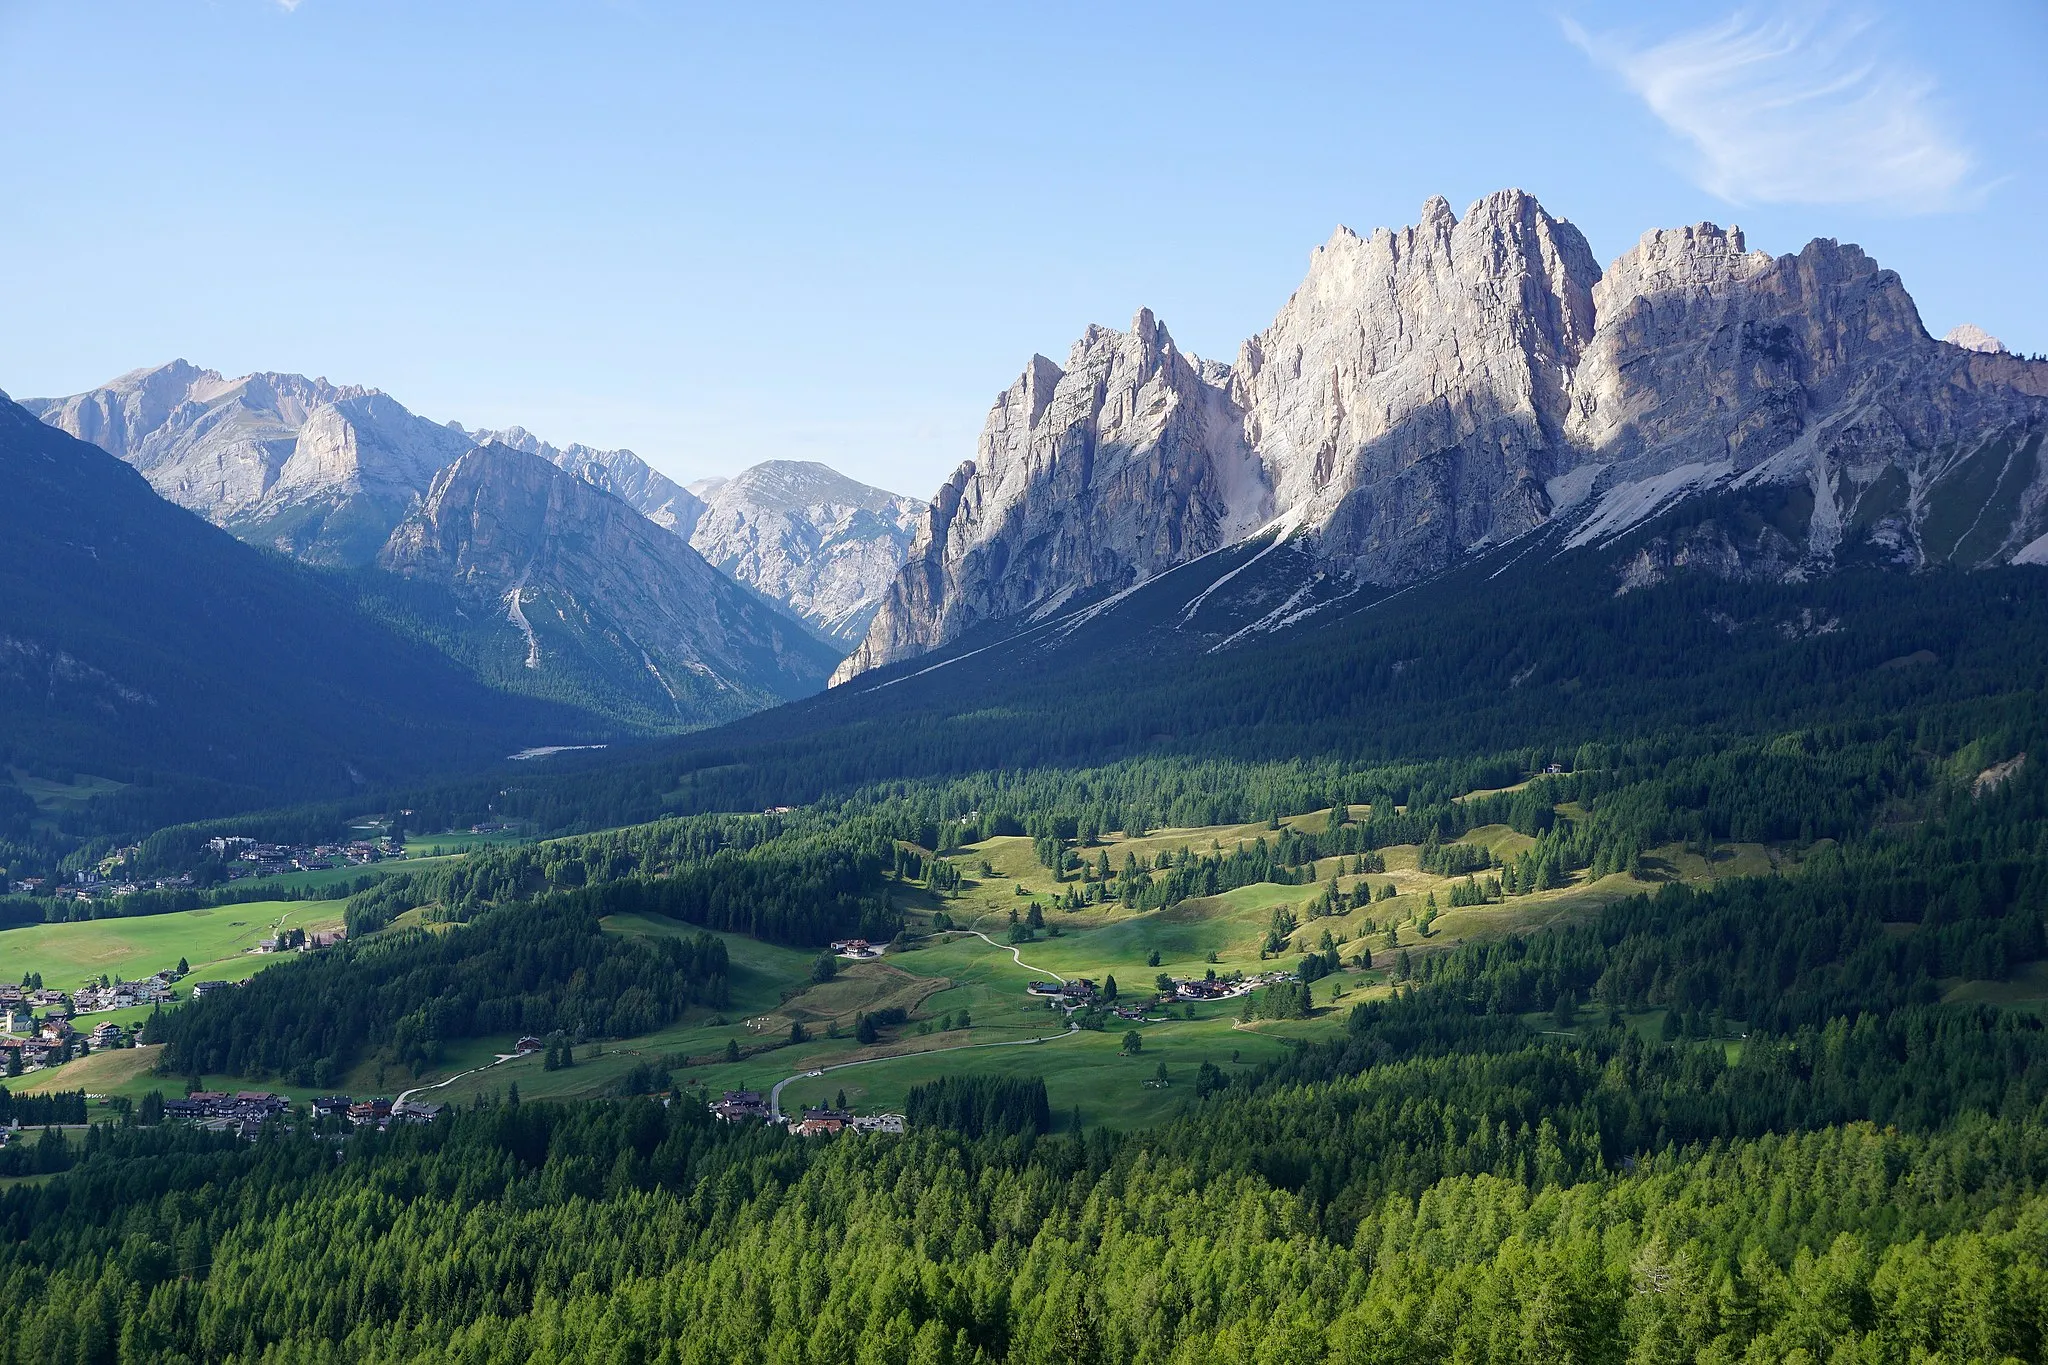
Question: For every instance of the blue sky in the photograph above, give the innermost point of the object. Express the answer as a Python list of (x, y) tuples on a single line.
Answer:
[(725, 234)]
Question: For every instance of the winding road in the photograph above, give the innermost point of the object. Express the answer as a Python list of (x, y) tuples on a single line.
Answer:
[(1014, 953), (775, 1095), (405, 1095)]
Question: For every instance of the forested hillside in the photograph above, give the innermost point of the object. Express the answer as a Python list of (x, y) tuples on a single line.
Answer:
[(1470, 666), (1790, 1097), (1484, 1167), (147, 648)]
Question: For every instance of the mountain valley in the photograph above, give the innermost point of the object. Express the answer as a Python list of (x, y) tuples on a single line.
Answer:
[(340, 477), (1507, 824)]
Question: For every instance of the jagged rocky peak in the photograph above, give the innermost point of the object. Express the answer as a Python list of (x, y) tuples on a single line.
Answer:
[(1971, 337), (1406, 401), (1086, 480), (619, 472), (825, 545), (1429, 392)]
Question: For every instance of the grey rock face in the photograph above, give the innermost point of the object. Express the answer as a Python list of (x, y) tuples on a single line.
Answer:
[(599, 591), (1807, 385), (619, 472), (318, 470), (802, 533), (1971, 337), (1408, 401), (1434, 391), (1090, 478)]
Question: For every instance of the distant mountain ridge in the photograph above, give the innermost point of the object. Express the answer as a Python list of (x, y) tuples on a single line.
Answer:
[(601, 593), (1430, 393), (138, 642), (325, 473), (319, 471), (808, 536), (618, 472)]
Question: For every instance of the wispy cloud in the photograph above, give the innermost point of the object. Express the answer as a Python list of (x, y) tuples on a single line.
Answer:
[(1804, 106)]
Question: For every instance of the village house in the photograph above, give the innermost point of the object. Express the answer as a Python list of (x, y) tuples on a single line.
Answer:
[(878, 1123), (243, 1105), (821, 1123), (857, 948), (737, 1106), (370, 1113), (106, 1035)]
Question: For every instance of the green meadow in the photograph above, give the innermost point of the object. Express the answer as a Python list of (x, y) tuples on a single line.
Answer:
[(964, 995), (215, 942)]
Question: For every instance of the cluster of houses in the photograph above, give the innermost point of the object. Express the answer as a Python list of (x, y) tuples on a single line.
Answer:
[(244, 1111), (243, 858), (750, 1106), (299, 941), (859, 949), (241, 1112), (29, 1042), (1227, 987), (1082, 992), (96, 883), (741, 1106), (252, 858), (1075, 994), (121, 995), (378, 1113), (826, 1122)]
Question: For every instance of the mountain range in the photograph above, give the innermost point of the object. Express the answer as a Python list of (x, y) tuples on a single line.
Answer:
[(1434, 393), (615, 558), (1469, 392), (146, 647), (577, 582)]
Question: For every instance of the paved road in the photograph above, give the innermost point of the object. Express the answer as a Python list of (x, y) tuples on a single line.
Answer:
[(1014, 953), (775, 1095), (421, 1089)]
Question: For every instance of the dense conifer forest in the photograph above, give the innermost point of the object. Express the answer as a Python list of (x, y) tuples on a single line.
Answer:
[(1818, 1150)]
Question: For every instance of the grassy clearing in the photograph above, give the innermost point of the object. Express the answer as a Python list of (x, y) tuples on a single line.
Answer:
[(1081, 1070), (954, 974), (455, 841), (215, 942), (103, 1073), (2026, 989), (65, 796)]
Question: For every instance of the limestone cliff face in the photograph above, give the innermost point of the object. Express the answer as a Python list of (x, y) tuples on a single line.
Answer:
[(1431, 392), (600, 592), (1807, 384), (802, 533), (618, 472), (1409, 399), (318, 470), (1087, 479)]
